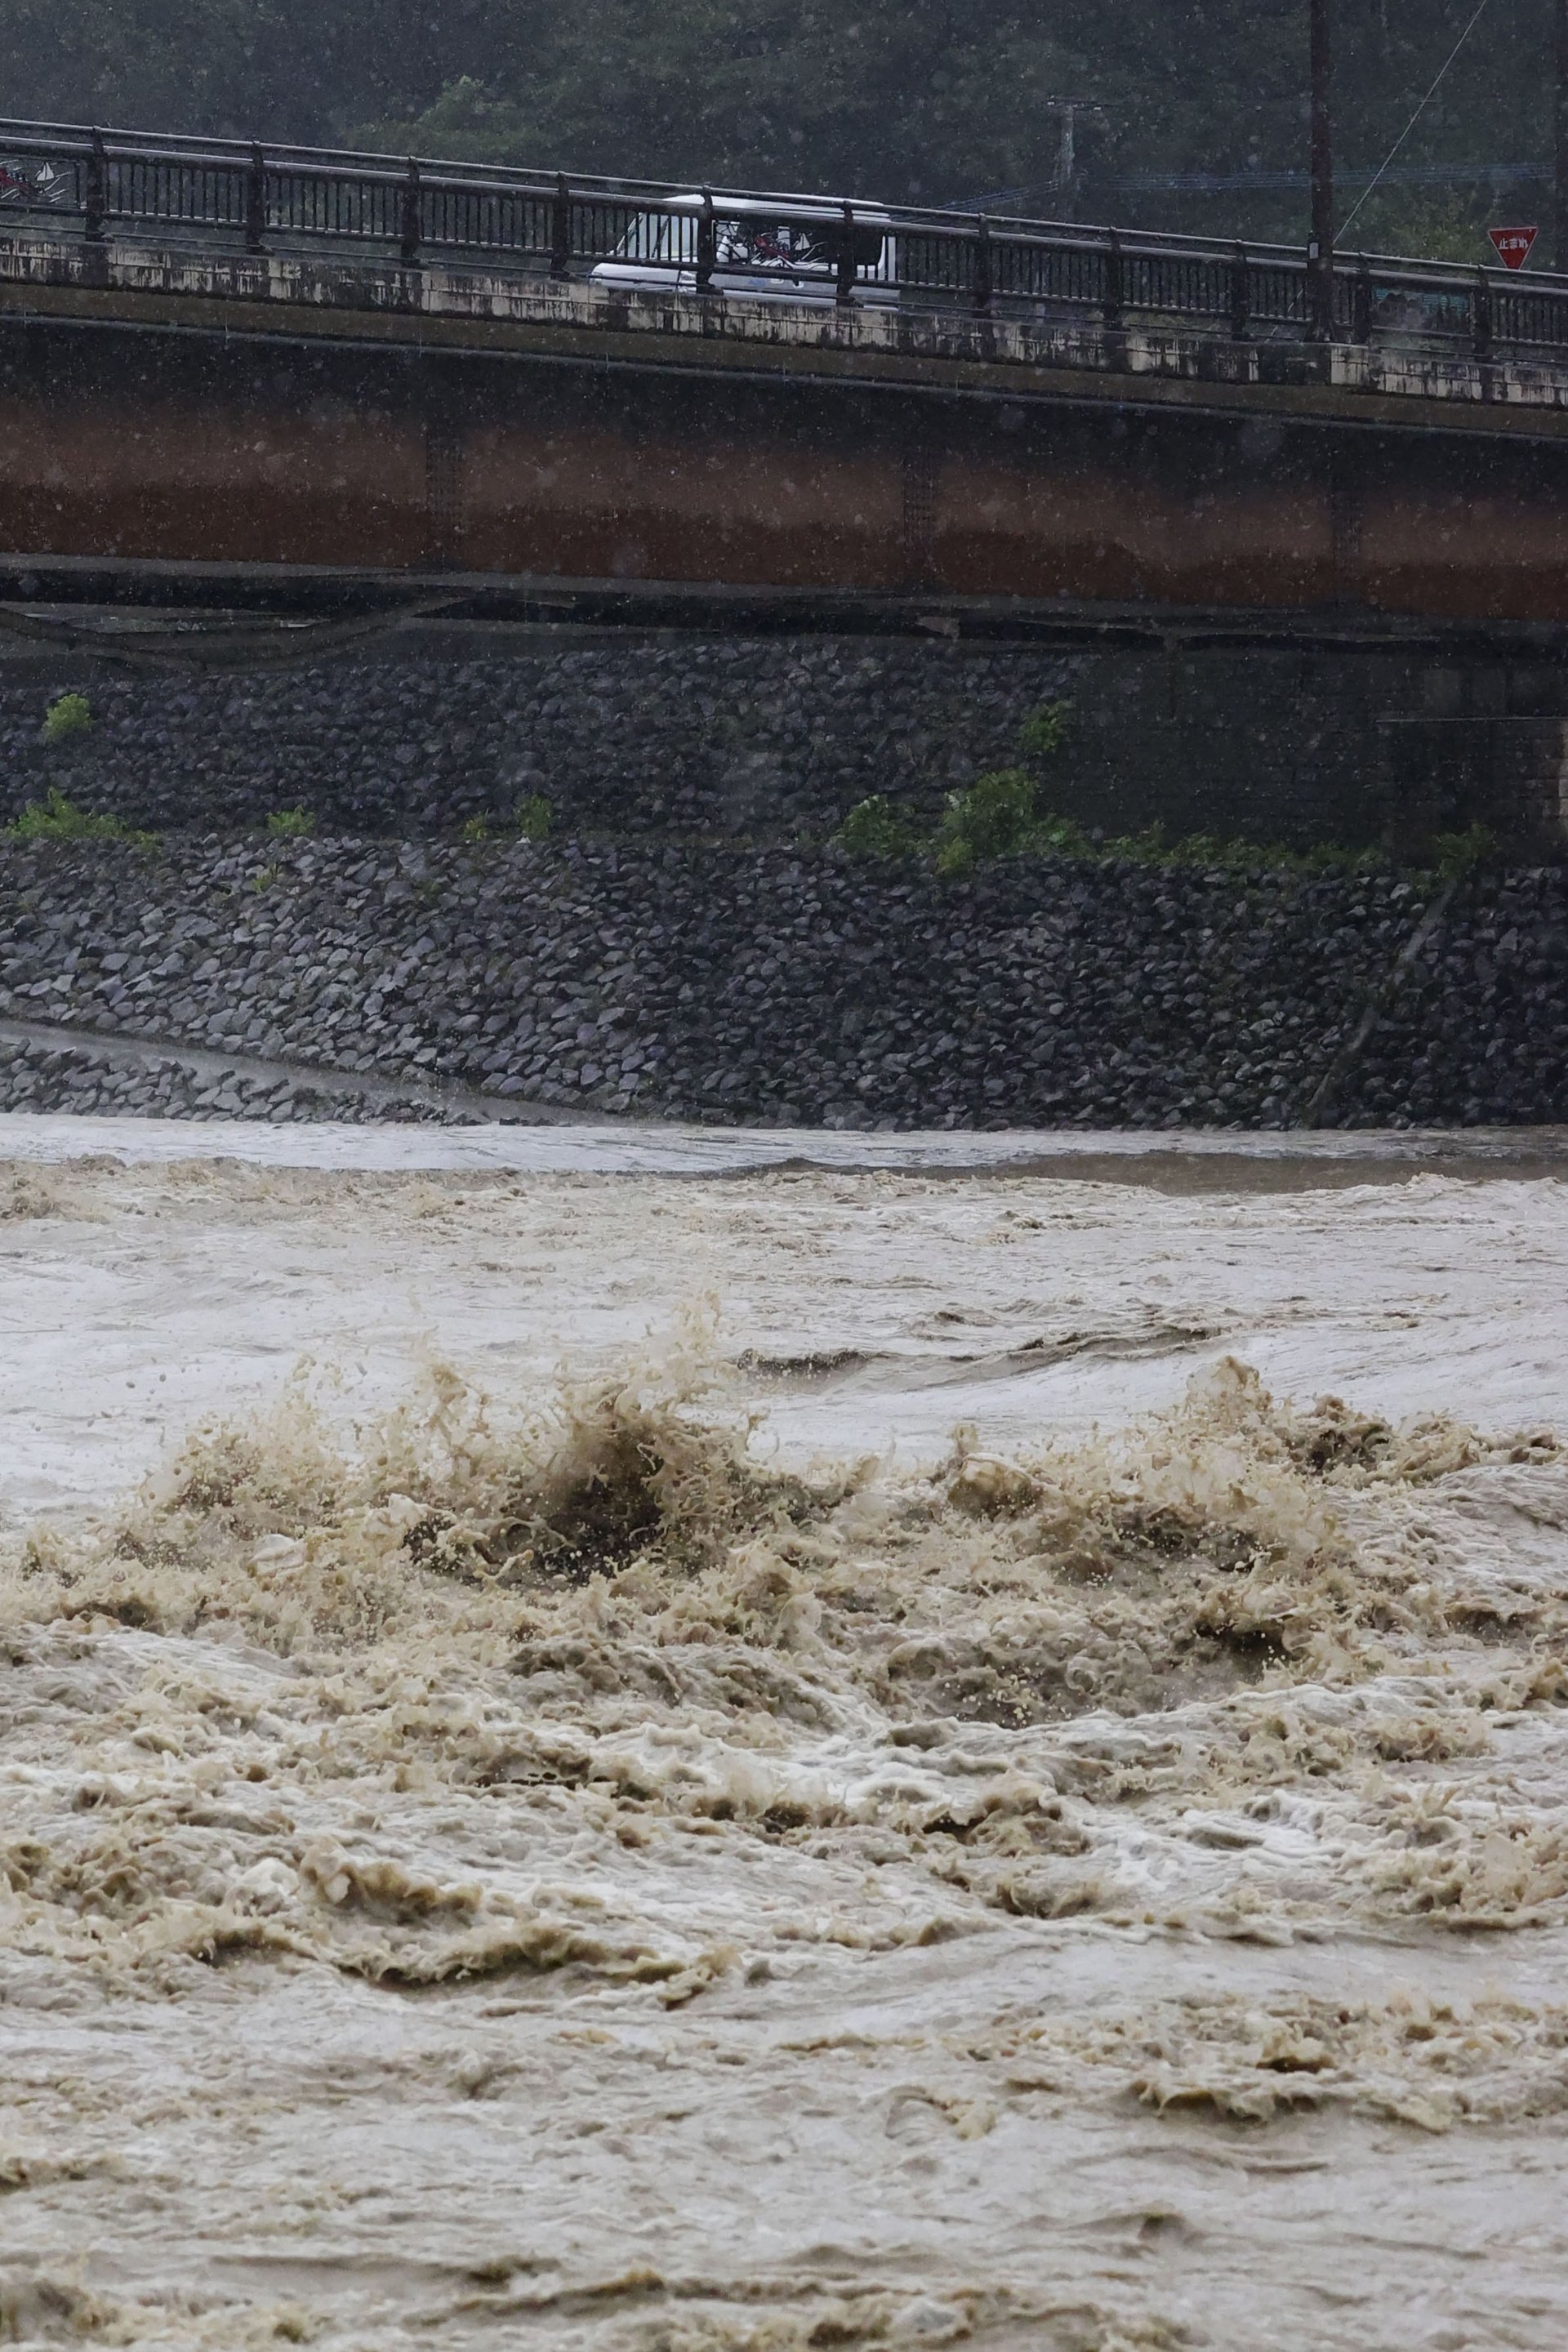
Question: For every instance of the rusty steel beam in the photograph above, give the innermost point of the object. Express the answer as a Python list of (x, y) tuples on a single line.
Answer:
[(401, 462), (133, 610)]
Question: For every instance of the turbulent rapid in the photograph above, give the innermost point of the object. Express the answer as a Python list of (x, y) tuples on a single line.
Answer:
[(554, 1849)]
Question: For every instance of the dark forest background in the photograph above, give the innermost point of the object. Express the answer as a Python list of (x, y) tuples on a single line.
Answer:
[(923, 100)]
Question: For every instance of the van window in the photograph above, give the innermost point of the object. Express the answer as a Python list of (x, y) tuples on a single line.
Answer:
[(794, 245), (765, 244), (33, 184), (669, 237)]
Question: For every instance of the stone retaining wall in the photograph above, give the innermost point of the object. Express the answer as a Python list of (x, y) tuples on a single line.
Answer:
[(770, 740), (760, 740), (770, 986)]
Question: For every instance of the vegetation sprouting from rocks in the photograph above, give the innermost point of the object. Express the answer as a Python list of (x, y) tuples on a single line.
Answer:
[(290, 824), (70, 715), (996, 818), (998, 815), (56, 818), (1045, 730), (532, 819), (875, 828), (634, 739), (992, 817)]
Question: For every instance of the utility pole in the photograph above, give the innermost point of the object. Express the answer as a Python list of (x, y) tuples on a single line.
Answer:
[(1320, 246), (1560, 130), (1067, 157), (1069, 114)]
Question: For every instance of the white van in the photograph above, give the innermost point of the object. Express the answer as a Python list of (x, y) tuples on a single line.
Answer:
[(778, 251)]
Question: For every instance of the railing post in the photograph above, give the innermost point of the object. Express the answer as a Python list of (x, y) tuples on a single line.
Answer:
[(1360, 302), (707, 246), (1115, 294), (1481, 317), (844, 286), (983, 279), (408, 239), (256, 201), (1240, 297), (97, 204), (1320, 242), (561, 230)]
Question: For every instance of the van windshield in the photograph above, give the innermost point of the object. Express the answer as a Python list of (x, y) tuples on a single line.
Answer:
[(769, 244)]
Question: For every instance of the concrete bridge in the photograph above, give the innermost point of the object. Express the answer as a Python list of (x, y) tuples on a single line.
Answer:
[(1150, 443), (212, 392)]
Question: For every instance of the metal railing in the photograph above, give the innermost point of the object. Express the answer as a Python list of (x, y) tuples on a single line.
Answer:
[(99, 184)]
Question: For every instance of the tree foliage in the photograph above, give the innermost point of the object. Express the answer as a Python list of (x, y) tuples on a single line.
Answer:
[(929, 100)]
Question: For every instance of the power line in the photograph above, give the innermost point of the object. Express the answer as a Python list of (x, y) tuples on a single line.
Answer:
[(1404, 175), (1415, 119)]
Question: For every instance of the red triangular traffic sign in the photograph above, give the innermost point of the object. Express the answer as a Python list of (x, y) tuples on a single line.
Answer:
[(1513, 244)]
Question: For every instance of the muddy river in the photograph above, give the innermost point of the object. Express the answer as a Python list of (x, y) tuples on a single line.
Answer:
[(707, 1743)]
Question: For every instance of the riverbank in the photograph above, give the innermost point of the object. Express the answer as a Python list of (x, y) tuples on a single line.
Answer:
[(698, 981)]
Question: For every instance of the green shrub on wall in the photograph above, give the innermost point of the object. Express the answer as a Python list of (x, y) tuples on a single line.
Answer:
[(1045, 730), (997, 816), (992, 817), (71, 715), (56, 818), (874, 828)]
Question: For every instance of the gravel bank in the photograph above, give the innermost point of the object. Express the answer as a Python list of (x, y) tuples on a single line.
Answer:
[(770, 987), (38, 1077)]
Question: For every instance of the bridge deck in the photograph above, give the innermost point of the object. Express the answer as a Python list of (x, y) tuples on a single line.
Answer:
[(453, 305)]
